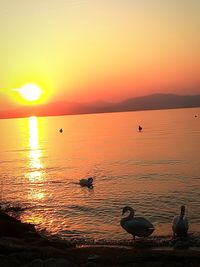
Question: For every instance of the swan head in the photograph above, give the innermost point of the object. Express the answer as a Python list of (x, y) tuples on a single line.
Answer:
[(126, 209), (90, 180)]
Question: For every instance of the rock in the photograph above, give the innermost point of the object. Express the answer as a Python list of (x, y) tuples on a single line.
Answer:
[(38, 241), (35, 263), (10, 244), (16, 209), (93, 257), (89, 264), (6, 261), (49, 252), (10, 226), (58, 263), (50, 263), (24, 257), (182, 244), (59, 243)]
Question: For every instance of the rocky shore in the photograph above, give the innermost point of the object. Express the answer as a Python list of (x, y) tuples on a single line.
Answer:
[(22, 246)]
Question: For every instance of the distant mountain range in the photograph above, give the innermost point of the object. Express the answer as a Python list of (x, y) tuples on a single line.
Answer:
[(149, 102)]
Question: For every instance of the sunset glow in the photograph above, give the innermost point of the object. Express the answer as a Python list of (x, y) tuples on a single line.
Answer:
[(100, 126), (84, 51)]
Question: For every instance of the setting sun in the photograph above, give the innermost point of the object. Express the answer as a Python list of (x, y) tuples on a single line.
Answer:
[(30, 92)]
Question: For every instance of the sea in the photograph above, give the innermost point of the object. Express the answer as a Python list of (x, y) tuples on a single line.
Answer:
[(154, 171)]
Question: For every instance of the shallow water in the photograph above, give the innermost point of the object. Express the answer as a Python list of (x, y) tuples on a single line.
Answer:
[(154, 171)]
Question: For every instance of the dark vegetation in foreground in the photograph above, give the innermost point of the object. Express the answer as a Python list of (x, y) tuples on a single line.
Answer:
[(22, 246)]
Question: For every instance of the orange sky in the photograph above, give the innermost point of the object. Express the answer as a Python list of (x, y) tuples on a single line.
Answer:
[(99, 50)]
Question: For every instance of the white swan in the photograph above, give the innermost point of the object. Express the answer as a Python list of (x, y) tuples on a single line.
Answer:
[(136, 226), (180, 224), (87, 182)]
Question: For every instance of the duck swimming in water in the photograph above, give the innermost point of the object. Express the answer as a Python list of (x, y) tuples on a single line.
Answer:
[(87, 182), (136, 226), (180, 224)]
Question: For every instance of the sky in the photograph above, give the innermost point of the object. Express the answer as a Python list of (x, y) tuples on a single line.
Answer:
[(99, 49)]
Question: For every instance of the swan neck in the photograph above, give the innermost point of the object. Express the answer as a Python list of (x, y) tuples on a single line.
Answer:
[(131, 214), (182, 214)]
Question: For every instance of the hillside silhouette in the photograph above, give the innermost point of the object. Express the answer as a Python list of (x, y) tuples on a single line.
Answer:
[(149, 102)]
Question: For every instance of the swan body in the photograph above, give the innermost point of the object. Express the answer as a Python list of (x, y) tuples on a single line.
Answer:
[(136, 226), (87, 182), (180, 224)]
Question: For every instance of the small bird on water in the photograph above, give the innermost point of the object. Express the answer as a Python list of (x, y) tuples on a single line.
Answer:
[(140, 128), (61, 130), (87, 182)]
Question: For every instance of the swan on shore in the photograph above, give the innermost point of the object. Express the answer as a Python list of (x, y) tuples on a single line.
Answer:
[(180, 224), (87, 182), (136, 226)]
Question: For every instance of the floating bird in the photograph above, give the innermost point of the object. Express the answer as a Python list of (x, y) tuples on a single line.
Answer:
[(87, 182), (61, 130), (180, 224), (136, 226), (140, 128)]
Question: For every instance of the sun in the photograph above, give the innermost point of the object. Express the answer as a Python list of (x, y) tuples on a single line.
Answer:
[(30, 92)]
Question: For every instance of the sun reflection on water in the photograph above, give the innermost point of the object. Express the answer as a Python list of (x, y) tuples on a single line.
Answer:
[(38, 195), (35, 173)]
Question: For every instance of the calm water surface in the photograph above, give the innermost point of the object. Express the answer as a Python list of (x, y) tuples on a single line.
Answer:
[(154, 171)]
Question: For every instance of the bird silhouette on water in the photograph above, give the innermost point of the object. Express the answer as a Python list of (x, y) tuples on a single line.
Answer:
[(140, 128), (136, 226), (61, 130), (87, 182)]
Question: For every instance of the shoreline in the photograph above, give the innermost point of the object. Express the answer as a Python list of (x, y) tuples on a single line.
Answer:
[(22, 246)]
